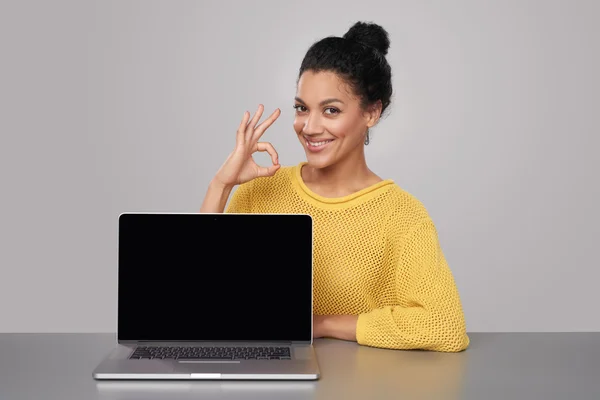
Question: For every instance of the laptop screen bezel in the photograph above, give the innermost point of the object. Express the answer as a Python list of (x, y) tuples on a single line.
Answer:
[(216, 215)]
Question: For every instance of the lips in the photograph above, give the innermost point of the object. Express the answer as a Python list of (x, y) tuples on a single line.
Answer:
[(317, 145)]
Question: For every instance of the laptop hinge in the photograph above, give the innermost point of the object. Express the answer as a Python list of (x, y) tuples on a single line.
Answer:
[(174, 342)]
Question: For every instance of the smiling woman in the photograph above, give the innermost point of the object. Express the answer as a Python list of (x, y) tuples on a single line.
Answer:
[(320, 123), (380, 276), (333, 132)]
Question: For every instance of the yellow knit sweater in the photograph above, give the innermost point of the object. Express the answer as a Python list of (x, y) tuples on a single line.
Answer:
[(376, 255)]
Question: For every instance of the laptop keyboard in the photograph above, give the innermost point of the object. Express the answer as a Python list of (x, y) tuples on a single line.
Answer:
[(211, 353)]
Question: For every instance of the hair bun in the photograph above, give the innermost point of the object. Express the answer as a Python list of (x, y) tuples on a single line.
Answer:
[(369, 34)]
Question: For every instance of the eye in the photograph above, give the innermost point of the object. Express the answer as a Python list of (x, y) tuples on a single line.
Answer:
[(297, 107), (301, 108)]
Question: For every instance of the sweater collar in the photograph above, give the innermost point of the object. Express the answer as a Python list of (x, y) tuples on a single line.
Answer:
[(365, 193)]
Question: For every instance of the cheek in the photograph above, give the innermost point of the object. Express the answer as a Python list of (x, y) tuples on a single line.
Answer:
[(298, 125), (342, 127)]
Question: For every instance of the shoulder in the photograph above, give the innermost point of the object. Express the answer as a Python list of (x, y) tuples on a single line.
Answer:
[(406, 211)]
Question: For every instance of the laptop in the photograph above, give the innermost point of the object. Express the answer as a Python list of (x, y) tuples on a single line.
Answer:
[(213, 296)]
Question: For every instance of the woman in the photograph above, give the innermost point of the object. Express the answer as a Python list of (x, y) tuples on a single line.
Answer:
[(380, 277)]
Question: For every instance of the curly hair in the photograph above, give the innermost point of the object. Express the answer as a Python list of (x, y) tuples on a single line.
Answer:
[(358, 58)]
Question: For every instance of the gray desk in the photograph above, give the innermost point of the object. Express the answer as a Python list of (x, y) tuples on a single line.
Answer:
[(496, 366)]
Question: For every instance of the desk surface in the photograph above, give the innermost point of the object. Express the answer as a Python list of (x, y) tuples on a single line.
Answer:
[(496, 366)]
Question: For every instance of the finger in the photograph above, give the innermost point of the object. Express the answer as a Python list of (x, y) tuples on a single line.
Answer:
[(268, 147), (242, 128), (255, 119), (262, 127), (268, 171)]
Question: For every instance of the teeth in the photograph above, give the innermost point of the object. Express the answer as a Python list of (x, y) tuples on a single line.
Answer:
[(316, 144)]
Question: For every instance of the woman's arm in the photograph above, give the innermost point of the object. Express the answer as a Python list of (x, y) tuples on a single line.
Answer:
[(216, 198), (429, 315)]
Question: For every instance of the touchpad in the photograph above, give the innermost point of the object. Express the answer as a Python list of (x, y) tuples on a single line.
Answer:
[(137, 366), (303, 353)]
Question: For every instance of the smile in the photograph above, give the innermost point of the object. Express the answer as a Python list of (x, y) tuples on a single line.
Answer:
[(317, 146)]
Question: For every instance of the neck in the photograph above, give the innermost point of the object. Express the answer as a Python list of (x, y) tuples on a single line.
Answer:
[(346, 174)]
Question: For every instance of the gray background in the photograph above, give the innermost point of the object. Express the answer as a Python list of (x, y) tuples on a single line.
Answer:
[(113, 106)]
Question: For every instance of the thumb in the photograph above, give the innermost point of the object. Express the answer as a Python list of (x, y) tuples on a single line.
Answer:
[(268, 171)]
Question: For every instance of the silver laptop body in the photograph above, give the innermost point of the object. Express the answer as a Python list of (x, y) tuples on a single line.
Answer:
[(213, 296)]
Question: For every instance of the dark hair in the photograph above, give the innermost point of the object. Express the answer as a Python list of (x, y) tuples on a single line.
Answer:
[(359, 59)]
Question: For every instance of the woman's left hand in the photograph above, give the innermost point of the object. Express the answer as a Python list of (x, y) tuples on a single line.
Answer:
[(335, 326)]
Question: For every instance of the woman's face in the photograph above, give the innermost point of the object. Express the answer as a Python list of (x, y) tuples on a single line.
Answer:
[(329, 122)]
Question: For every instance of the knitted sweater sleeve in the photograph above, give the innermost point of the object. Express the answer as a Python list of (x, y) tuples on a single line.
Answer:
[(428, 314)]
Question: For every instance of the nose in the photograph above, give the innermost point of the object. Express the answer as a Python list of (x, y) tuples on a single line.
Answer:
[(312, 125)]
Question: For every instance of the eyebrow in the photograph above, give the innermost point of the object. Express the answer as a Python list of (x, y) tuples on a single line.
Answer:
[(326, 101)]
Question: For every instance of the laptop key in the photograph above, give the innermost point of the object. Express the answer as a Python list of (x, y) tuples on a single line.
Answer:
[(212, 353)]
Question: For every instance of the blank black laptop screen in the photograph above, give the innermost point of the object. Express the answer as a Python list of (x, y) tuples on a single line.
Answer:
[(233, 277)]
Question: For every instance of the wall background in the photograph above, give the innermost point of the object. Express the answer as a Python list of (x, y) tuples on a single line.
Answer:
[(112, 106)]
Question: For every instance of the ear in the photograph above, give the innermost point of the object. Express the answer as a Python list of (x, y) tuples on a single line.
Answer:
[(373, 113)]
